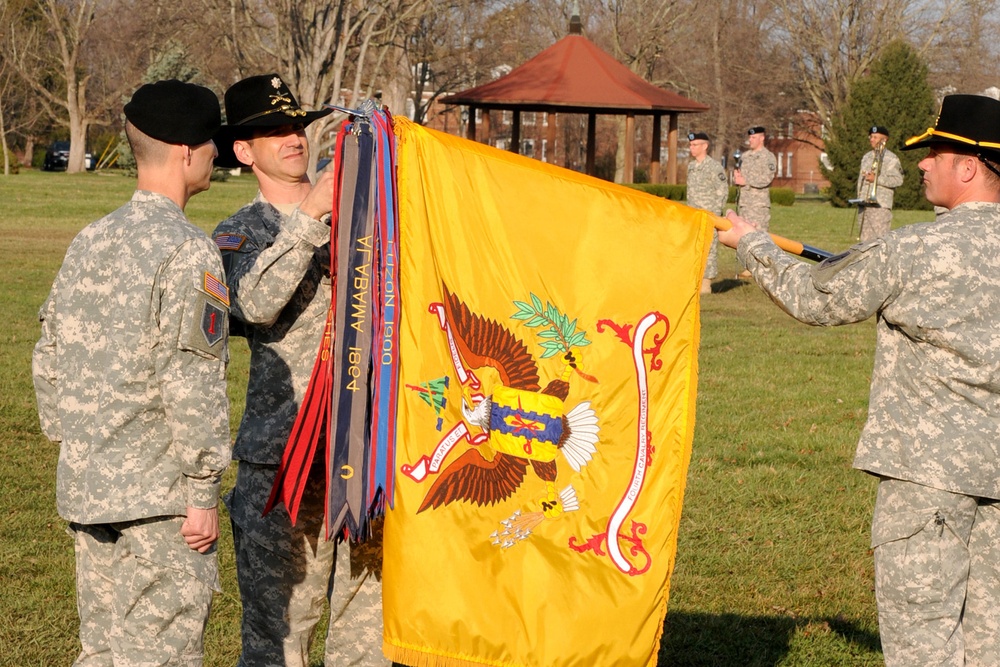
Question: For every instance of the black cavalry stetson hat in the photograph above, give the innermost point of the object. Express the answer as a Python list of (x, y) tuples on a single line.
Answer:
[(970, 121), (257, 102)]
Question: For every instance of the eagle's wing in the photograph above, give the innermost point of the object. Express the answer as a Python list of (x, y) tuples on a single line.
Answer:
[(483, 342), (472, 478)]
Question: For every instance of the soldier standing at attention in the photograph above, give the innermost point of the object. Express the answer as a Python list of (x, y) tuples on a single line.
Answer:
[(754, 176), (708, 189), (933, 424), (130, 376), (276, 250), (877, 219)]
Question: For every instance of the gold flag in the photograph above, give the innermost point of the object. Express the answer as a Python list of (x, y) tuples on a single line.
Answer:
[(548, 374)]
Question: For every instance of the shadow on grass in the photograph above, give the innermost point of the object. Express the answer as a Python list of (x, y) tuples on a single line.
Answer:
[(726, 284), (710, 640)]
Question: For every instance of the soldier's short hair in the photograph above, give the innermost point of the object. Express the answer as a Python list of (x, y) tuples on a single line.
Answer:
[(145, 149)]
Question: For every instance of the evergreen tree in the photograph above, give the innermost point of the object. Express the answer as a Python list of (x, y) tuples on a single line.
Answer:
[(894, 94)]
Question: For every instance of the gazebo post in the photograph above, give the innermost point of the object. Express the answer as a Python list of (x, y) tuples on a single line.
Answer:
[(470, 130), (515, 132), (654, 163), (628, 169), (672, 150), (591, 141), (486, 126), (550, 131)]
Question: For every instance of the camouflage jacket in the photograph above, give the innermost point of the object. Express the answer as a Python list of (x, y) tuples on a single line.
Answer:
[(130, 370), (278, 271), (758, 169), (707, 185), (890, 177), (934, 406)]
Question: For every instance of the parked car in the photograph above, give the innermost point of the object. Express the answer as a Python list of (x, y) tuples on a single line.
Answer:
[(57, 157)]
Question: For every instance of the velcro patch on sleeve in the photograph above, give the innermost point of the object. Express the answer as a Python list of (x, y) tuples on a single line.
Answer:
[(208, 328), (212, 319), (230, 241), (215, 287)]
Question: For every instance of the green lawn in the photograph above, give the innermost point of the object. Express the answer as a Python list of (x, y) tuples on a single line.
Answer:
[(773, 565)]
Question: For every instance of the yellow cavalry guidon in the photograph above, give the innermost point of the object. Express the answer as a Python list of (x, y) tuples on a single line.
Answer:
[(548, 372)]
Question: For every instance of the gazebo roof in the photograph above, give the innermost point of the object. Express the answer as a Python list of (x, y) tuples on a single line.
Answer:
[(575, 76)]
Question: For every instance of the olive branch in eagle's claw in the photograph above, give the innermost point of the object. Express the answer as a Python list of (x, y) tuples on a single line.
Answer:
[(560, 335)]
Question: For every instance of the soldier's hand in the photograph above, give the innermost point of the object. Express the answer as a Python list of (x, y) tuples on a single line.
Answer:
[(731, 237), (869, 176), (319, 201), (738, 178), (201, 528)]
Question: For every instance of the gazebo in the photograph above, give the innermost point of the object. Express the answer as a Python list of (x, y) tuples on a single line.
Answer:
[(575, 76)]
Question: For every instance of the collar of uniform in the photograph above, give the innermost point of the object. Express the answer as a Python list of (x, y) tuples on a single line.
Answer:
[(150, 197)]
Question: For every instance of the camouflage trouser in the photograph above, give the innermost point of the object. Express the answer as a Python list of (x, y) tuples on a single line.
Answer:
[(875, 222), (937, 576), (759, 215), (143, 595), (712, 265), (286, 574)]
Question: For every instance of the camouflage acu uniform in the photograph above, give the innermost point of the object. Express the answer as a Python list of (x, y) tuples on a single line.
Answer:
[(130, 378), (758, 169), (933, 429), (278, 268), (876, 220), (708, 189)]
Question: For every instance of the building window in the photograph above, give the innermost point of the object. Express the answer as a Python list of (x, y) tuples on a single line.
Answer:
[(411, 108), (788, 166), (545, 146), (781, 162), (528, 118), (528, 147)]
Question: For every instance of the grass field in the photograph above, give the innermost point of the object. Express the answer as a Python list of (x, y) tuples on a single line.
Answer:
[(773, 565)]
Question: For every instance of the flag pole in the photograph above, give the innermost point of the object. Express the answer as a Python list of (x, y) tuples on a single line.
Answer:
[(788, 245)]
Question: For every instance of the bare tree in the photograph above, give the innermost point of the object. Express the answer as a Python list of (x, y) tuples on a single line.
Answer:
[(443, 53), (833, 42), (327, 52), (70, 55), (965, 55)]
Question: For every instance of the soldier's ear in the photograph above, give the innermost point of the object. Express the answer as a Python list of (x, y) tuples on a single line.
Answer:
[(243, 152)]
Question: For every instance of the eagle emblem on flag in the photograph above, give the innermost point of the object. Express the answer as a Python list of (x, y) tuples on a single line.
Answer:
[(522, 424)]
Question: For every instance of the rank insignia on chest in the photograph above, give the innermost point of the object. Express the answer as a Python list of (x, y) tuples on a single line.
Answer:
[(230, 241), (216, 288), (213, 323)]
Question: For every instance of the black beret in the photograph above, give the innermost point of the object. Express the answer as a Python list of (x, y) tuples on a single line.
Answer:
[(756, 129), (879, 129), (697, 135), (971, 121), (175, 112)]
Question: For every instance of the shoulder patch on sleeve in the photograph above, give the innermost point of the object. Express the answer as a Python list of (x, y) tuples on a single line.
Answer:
[(208, 328), (831, 266), (722, 176), (215, 287), (213, 319), (230, 241)]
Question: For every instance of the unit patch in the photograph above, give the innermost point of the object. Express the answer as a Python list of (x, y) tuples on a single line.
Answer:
[(213, 323)]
